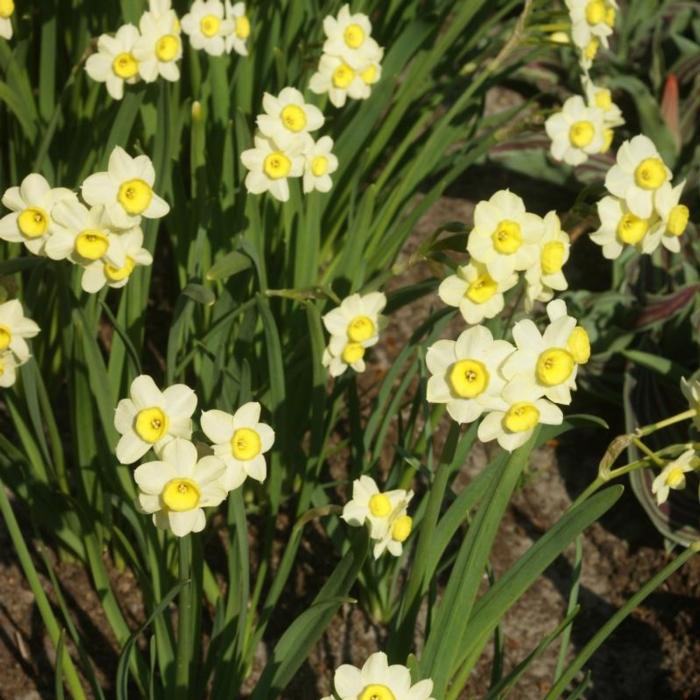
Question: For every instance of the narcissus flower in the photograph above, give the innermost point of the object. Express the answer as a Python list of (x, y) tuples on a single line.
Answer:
[(240, 442), (319, 164), (176, 488), (269, 167), (207, 27), (376, 680), (516, 414), (544, 359), (505, 236), (475, 293), (466, 373), (114, 63), (546, 275), (591, 19), (126, 190), (349, 36), (160, 47), (601, 98), (620, 227), (288, 119), (577, 131), (15, 327), (578, 343), (151, 418), (691, 390), (340, 80), (31, 204), (673, 219), (672, 476), (7, 8), (638, 175), (240, 31), (8, 368)]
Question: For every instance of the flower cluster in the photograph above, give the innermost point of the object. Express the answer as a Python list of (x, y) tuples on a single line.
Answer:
[(102, 235), (516, 386), (376, 680), (643, 208), (154, 48), (284, 147), (7, 9), (592, 23), (384, 513), (351, 60), (506, 240), (183, 479), (354, 326), (15, 327)]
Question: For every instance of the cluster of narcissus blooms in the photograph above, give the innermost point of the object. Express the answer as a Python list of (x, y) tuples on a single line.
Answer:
[(15, 327), (516, 387), (351, 60), (354, 326), (103, 235), (185, 478), (7, 9), (377, 680), (592, 23), (153, 49), (643, 208), (384, 512), (284, 147), (506, 240)]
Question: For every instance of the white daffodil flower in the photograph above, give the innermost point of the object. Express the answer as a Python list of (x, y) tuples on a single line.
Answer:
[(673, 219), (672, 476), (7, 8), (691, 391), (577, 131), (376, 680), (591, 19), (151, 418), (544, 359), (159, 47), (335, 77), (578, 343), (176, 488), (114, 63), (475, 293), (546, 276), (319, 164), (398, 529), (236, 39), (8, 368), (466, 373), (31, 204), (620, 227), (240, 442), (601, 98), (15, 327), (349, 38), (126, 190), (638, 175), (288, 119), (269, 167), (207, 27)]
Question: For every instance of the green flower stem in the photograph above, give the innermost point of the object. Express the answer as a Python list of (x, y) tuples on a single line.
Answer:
[(185, 622), (652, 455), (649, 429)]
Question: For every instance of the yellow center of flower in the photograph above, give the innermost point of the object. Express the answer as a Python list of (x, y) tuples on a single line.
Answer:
[(33, 222), (554, 366), (354, 36), (591, 49), (352, 352), (135, 196), (209, 24), (603, 99), (482, 288), (361, 328), (125, 65), (675, 478), (91, 244), (521, 416), (608, 135), (507, 237), (319, 166), (369, 75), (379, 505), (343, 75), (167, 47), (117, 274), (245, 444), (579, 345), (650, 174), (552, 257), (151, 424), (595, 12), (294, 118), (242, 27), (7, 7), (631, 228), (5, 337), (678, 220), (180, 495), (276, 165), (401, 528), (468, 378), (610, 15), (581, 133)]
